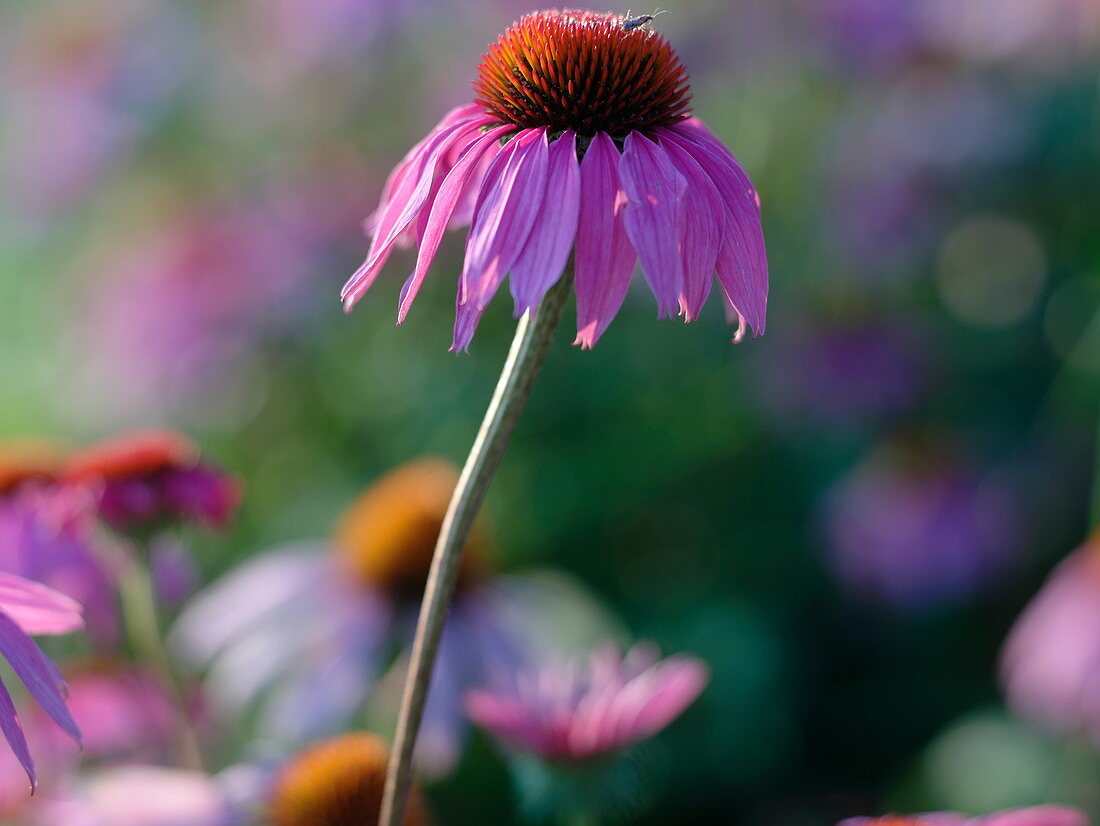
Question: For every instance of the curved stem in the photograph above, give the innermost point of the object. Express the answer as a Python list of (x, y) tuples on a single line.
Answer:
[(533, 335)]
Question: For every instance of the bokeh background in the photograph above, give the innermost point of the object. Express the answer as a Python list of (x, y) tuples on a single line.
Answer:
[(843, 517)]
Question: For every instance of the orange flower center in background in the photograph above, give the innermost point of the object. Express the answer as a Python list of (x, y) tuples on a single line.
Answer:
[(29, 461), (583, 71), (337, 783), (141, 453), (387, 536)]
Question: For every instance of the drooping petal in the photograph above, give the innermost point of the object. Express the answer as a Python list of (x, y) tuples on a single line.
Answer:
[(37, 672), (441, 212), (13, 733), (604, 258), (38, 609), (467, 317), (543, 258), (459, 114), (410, 197), (509, 202), (652, 217), (704, 227), (742, 263)]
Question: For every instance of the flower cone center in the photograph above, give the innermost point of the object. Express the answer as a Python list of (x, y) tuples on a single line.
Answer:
[(386, 538), (337, 783), (584, 71)]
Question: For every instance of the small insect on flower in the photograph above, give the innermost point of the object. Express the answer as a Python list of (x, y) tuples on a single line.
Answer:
[(642, 21)]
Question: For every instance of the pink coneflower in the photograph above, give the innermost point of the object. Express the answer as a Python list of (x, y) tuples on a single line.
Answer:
[(29, 608), (568, 712), (1034, 816), (580, 142), (151, 476), (1051, 663)]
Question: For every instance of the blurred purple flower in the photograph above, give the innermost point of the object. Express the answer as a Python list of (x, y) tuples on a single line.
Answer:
[(573, 711), (844, 372), (29, 608), (308, 629), (148, 477), (869, 34), (914, 529), (1050, 667), (50, 535), (1050, 815)]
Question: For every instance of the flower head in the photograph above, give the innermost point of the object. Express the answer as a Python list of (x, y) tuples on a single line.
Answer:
[(149, 476), (337, 782), (580, 143), (1051, 663), (29, 608), (574, 711)]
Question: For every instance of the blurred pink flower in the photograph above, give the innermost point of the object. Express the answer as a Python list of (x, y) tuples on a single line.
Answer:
[(141, 796), (29, 608), (1051, 815), (1050, 666), (145, 477), (654, 184), (578, 710), (49, 534), (124, 711)]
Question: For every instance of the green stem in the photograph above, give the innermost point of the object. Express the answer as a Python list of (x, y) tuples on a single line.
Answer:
[(139, 608), (533, 335)]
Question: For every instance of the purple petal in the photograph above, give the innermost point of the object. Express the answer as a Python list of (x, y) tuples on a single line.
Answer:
[(653, 215), (401, 171), (439, 217), (742, 262), (13, 733), (543, 259), (604, 257), (467, 317), (38, 609), (703, 230), (409, 198), (37, 672), (509, 202)]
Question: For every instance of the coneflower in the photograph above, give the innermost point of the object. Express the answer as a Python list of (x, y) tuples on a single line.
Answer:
[(578, 159), (580, 141)]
